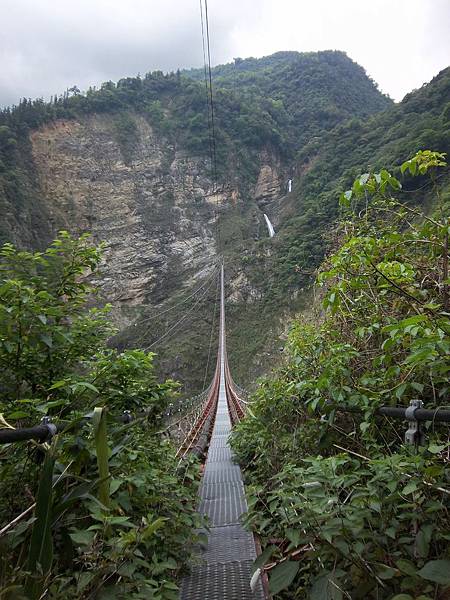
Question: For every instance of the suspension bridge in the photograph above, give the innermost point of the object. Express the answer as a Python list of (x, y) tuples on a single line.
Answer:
[(223, 569)]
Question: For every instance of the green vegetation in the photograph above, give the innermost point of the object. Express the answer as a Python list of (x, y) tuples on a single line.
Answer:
[(343, 507), (276, 104), (304, 93), (330, 162), (112, 514), (126, 134), (316, 117)]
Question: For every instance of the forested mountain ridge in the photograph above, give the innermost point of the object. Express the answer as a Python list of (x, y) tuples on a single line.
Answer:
[(329, 163), (311, 91), (279, 105), (130, 163)]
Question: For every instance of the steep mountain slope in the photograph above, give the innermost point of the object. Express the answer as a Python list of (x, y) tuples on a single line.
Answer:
[(307, 92), (329, 163), (130, 163), (271, 111), (281, 269)]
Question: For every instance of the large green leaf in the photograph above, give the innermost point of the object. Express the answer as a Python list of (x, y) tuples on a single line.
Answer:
[(323, 588), (283, 575), (264, 557), (437, 571), (102, 451), (40, 555)]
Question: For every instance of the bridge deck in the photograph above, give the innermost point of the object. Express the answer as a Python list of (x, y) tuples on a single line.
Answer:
[(225, 566)]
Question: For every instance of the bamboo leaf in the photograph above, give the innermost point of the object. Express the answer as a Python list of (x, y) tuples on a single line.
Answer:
[(102, 451), (41, 545)]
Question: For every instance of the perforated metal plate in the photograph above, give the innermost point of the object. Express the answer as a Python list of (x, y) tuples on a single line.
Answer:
[(221, 581), (229, 544), (222, 474), (219, 454), (224, 568), (223, 503), (219, 442)]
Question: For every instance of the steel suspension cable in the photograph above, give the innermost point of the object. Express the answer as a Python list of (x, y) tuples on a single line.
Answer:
[(211, 336), (166, 310), (211, 112), (208, 45), (177, 323), (205, 68), (143, 335)]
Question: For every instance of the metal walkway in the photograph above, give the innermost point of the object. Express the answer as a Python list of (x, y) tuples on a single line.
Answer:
[(224, 568)]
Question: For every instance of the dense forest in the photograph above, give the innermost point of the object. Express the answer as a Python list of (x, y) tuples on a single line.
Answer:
[(264, 107)]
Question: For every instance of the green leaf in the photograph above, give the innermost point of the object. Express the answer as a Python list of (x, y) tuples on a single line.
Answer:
[(400, 390), (410, 487), (153, 527), (58, 384), (84, 579), (402, 597), (80, 491), (319, 590), (87, 385), (47, 339), (423, 540), (115, 485), (84, 538), (323, 588), (18, 414), (437, 571), (407, 567), (391, 532), (263, 557), (102, 451), (435, 449), (40, 555), (417, 386), (283, 575), (385, 572)]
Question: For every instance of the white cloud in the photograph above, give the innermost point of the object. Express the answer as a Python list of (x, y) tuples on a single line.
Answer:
[(49, 45)]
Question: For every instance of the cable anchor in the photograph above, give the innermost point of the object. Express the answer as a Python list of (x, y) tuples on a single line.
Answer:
[(127, 416), (52, 430), (414, 435)]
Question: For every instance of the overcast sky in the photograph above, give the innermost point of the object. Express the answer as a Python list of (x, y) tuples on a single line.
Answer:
[(49, 45)]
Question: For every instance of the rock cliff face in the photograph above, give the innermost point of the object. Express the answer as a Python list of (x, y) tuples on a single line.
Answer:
[(268, 186), (154, 214), (155, 211)]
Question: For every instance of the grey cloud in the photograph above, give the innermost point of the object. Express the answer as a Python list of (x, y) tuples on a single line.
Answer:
[(49, 45)]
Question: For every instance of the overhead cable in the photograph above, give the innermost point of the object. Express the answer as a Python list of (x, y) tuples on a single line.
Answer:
[(177, 323)]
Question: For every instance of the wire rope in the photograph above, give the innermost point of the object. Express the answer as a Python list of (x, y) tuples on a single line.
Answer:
[(166, 310), (211, 336), (210, 104), (205, 69), (208, 45), (177, 323), (145, 333)]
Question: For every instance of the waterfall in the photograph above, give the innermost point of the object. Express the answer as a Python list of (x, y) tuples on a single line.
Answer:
[(269, 226)]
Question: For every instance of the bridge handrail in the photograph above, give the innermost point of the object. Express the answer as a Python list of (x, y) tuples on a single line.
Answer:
[(207, 409)]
